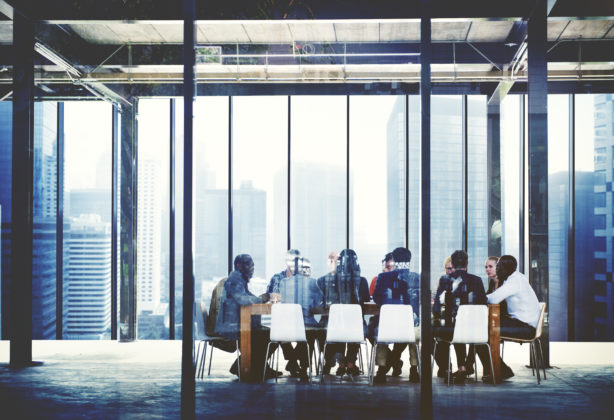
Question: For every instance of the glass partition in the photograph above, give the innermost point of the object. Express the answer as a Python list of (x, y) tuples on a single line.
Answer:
[(260, 184), (511, 138), (318, 177), (377, 178)]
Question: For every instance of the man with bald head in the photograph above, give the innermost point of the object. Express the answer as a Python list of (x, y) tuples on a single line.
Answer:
[(235, 295)]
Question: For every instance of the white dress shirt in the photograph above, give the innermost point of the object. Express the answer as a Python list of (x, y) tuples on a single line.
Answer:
[(521, 300)]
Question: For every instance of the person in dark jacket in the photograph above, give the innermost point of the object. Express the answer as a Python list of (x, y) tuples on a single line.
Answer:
[(346, 286), (399, 287), (460, 288), (235, 295)]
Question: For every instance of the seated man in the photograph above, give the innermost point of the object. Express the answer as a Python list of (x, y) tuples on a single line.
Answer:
[(302, 289), (523, 308), (461, 288), (399, 286), (292, 256), (235, 295)]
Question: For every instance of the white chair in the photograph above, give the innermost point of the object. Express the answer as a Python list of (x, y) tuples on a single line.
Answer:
[(536, 357), (396, 325), (287, 326), (345, 325), (204, 340), (471, 327)]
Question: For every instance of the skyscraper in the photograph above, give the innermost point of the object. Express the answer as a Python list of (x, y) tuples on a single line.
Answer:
[(604, 217), (88, 296), (149, 235)]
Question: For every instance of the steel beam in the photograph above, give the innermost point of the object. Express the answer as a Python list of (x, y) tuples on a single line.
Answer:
[(538, 160), (115, 193), (59, 226), (426, 384), (128, 225)]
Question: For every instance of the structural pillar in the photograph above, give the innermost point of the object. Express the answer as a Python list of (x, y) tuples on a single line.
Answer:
[(537, 266), (426, 52), (188, 386), (128, 224), (493, 176), (22, 191)]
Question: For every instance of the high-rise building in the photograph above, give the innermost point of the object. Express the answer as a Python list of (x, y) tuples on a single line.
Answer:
[(604, 217), (88, 296), (149, 235), (89, 201), (6, 176), (44, 221)]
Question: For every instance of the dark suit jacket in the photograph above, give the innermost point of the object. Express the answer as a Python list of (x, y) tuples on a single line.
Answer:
[(469, 291)]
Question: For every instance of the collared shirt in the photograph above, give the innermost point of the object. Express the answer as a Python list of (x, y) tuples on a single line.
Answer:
[(304, 291), (522, 303), (273, 286)]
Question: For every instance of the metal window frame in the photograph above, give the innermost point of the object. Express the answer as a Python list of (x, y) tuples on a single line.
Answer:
[(59, 225)]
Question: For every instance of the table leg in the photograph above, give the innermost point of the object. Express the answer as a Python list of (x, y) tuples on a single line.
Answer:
[(246, 343), (494, 323)]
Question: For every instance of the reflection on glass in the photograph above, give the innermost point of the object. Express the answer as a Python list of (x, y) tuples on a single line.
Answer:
[(377, 178), (152, 218), (558, 213), (6, 145), (210, 197), (44, 221), (511, 136), (260, 184), (87, 219), (446, 181), (477, 186), (594, 217), (318, 177)]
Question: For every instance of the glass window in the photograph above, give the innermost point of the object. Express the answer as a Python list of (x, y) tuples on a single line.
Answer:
[(511, 136), (44, 221), (558, 213), (377, 178), (594, 231), (260, 184), (318, 177), (87, 219), (153, 218), (210, 186), (414, 181), (446, 181), (478, 231)]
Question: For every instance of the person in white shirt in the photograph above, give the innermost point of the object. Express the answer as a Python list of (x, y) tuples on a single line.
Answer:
[(522, 304)]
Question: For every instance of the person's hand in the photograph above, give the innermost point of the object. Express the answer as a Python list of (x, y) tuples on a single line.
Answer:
[(274, 297)]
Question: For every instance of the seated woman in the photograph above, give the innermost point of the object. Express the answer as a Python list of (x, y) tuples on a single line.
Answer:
[(523, 310)]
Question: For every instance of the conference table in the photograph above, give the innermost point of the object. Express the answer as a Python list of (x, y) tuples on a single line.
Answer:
[(368, 309)]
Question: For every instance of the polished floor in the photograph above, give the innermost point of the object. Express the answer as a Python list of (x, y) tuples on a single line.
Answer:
[(141, 380)]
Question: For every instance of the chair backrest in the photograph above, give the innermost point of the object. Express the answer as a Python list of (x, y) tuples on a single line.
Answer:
[(540, 321), (200, 315), (345, 324), (396, 324), (471, 324), (287, 322)]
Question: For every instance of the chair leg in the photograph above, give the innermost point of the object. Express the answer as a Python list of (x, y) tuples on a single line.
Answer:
[(449, 362), (238, 359), (197, 360), (372, 364), (309, 359), (266, 361), (322, 363), (475, 364), (418, 352), (204, 357), (541, 357), (210, 360), (534, 353), (492, 369), (434, 353)]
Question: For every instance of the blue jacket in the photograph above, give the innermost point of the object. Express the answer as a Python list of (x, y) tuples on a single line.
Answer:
[(273, 286), (469, 291), (400, 287), (235, 295)]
